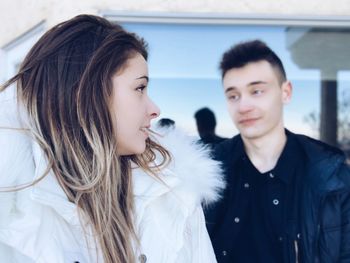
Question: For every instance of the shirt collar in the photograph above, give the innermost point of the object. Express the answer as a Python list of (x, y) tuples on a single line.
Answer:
[(287, 162)]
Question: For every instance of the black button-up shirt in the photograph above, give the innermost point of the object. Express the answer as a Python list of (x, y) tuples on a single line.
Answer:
[(258, 210)]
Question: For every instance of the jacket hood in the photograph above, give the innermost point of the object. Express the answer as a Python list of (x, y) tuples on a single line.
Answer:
[(190, 171)]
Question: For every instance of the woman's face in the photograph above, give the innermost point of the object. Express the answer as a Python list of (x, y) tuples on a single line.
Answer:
[(133, 109)]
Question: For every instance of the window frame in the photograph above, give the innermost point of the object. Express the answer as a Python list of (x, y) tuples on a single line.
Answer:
[(13, 53), (226, 19)]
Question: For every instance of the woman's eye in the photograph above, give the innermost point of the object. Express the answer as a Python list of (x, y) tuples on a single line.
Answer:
[(141, 88)]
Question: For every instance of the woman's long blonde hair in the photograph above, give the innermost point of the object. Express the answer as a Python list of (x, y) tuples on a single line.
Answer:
[(65, 85)]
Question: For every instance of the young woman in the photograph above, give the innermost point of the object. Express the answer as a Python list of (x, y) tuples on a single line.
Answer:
[(83, 178)]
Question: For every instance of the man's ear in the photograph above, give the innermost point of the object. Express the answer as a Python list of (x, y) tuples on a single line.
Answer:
[(287, 91)]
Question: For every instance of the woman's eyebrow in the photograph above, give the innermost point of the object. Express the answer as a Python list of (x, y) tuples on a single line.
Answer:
[(144, 77)]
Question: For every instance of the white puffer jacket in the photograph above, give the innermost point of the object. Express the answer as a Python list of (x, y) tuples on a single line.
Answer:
[(39, 224)]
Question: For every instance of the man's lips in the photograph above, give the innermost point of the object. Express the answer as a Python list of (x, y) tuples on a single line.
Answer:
[(247, 120)]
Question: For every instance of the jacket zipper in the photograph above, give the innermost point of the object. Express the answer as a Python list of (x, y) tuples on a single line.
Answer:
[(296, 250), (318, 230)]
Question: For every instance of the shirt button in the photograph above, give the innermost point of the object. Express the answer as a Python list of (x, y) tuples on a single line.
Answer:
[(280, 239), (246, 185), (236, 219), (224, 253), (143, 258), (271, 175), (298, 236), (275, 201)]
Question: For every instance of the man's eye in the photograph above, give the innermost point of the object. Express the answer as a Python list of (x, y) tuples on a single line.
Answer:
[(233, 97), (258, 91)]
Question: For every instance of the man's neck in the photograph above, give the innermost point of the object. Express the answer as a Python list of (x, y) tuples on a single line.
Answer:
[(265, 151)]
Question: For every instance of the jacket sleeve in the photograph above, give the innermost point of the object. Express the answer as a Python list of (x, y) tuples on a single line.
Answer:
[(16, 169), (199, 245), (16, 161)]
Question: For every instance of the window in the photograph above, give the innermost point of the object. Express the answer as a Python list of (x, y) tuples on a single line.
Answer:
[(184, 73)]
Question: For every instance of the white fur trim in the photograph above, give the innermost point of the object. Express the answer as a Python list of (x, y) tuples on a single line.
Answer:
[(191, 162)]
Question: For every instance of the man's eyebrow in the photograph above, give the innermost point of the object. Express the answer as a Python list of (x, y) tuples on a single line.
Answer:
[(230, 89), (257, 83)]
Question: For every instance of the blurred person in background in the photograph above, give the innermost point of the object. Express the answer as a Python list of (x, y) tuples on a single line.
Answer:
[(206, 123)]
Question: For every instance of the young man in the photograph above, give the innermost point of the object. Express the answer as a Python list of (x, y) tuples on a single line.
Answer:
[(288, 197)]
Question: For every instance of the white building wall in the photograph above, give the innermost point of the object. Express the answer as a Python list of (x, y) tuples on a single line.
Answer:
[(17, 16)]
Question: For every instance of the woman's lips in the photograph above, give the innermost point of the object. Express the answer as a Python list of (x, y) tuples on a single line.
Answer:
[(145, 130)]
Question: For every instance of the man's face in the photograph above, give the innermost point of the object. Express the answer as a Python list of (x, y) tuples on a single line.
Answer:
[(255, 99)]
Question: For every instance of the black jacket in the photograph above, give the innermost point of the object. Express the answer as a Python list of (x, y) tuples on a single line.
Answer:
[(324, 205)]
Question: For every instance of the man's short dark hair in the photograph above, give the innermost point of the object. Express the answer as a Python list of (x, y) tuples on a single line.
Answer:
[(244, 53), (205, 119)]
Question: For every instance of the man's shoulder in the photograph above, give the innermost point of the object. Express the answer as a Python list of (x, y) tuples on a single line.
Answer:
[(327, 161), (227, 149), (316, 149)]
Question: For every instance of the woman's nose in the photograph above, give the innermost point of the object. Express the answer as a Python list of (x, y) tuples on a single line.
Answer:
[(154, 110)]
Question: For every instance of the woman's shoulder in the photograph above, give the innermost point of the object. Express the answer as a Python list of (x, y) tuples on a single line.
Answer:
[(15, 142)]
